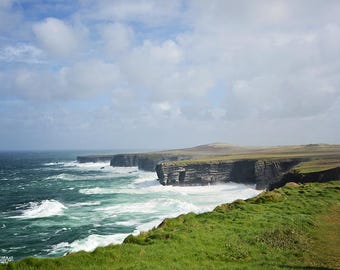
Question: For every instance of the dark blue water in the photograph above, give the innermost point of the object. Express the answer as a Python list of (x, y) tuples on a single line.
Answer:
[(51, 205)]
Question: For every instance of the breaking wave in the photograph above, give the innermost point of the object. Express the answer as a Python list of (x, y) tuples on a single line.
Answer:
[(104, 208), (45, 208), (89, 243)]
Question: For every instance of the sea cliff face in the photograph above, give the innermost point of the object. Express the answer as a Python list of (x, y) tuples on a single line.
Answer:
[(294, 176), (258, 172), (94, 158), (265, 167), (146, 162)]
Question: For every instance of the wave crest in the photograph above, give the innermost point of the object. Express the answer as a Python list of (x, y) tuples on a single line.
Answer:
[(45, 208)]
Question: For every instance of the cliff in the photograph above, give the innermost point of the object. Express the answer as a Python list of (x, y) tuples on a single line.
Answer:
[(146, 162), (259, 172), (266, 167), (94, 158), (295, 176)]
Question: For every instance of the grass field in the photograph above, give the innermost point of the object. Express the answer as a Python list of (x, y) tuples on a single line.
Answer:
[(295, 227), (217, 153), (317, 165)]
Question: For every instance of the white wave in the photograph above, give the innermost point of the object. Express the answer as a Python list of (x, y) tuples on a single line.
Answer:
[(145, 177), (17, 248), (143, 207), (74, 177), (76, 165), (129, 223), (84, 204), (51, 163), (89, 243), (97, 190), (95, 172), (140, 185), (62, 247), (148, 226), (146, 212), (61, 230), (46, 208), (94, 240), (64, 176), (123, 170)]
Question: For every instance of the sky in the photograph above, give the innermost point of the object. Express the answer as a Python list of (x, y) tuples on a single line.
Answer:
[(147, 74)]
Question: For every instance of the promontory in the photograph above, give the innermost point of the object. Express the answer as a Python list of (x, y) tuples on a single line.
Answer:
[(264, 167)]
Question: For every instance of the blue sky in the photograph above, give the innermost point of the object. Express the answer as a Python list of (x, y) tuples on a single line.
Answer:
[(161, 74)]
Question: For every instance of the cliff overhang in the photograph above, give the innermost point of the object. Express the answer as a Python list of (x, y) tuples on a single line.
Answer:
[(264, 167), (260, 173)]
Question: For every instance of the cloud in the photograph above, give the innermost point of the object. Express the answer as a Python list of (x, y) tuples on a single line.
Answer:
[(149, 12), (24, 53), (89, 78), (306, 93), (81, 81), (9, 18), (159, 68), (56, 36), (218, 71), (117, 38)]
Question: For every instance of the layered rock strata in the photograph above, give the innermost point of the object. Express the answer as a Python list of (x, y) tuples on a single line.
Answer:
[(94, 158), (320, 176), (146, 162), (258, 172)]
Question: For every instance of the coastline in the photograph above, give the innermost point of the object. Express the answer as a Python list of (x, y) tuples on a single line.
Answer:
[(242, 234)]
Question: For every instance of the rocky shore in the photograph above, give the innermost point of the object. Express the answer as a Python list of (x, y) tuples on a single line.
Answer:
[(266, 168), (261, 173)]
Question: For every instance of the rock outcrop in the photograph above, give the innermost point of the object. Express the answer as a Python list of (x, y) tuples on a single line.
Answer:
[(258, 172), (265, 167), (94, 158), (319, 176), (146, 162)]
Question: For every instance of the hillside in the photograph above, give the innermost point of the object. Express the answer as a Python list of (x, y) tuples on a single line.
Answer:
[(295, 227)]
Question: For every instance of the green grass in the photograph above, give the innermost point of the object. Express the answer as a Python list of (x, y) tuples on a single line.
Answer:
[(302, 154), (288, 228), (317, 165)]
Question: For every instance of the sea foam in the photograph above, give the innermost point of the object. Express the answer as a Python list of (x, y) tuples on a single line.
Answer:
[(89, 243), (45, 208)]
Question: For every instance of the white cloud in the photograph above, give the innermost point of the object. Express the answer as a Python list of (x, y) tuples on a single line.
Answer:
[(117, 38), (159, 68), (25, 53), (151, 12), (216, 71), (56, 36), (9, 18), (89, 78), (167, 52), (81, 81), (32, 85)]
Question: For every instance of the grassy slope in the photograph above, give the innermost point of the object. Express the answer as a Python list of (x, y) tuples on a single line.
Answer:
[(219, 153), (317, 165), (289, 228)]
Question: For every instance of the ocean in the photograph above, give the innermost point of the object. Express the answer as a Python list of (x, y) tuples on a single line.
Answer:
[(51, 205)]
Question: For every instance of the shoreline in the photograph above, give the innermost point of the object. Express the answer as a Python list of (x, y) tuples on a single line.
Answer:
[(220, 228)]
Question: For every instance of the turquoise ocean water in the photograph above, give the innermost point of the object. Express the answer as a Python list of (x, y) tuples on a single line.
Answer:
[(51, 205)]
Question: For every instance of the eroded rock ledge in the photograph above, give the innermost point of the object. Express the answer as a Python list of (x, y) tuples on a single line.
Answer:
[(146, 162), (266, 167), (259, 172), (94, 158)]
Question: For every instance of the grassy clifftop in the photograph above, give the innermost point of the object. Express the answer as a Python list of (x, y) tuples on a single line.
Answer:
[(295, 227), (214, 153)]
